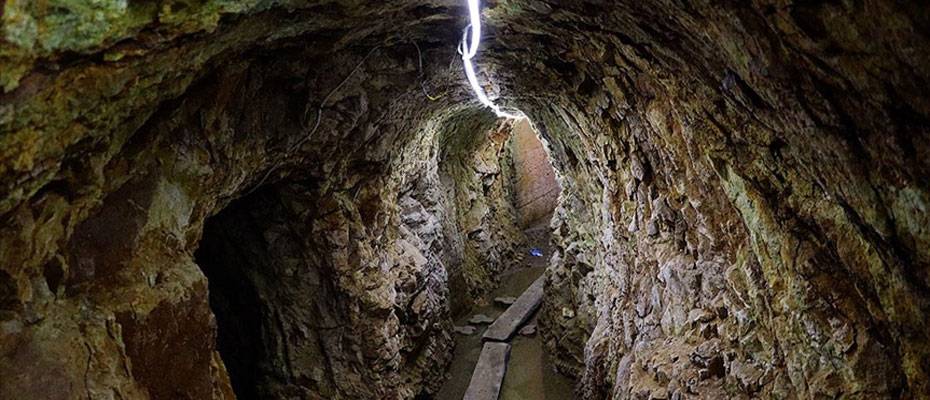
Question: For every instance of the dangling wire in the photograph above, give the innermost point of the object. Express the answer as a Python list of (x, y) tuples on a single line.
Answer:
[(471, 38), (422, 74)]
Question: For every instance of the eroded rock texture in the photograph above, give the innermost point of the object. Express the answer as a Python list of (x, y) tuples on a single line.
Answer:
[(758, 208), (537, 191), (743, 210)]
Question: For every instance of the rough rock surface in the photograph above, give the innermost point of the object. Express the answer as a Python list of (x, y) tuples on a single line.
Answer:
[(744, 208), (749, 197), (537, 192), (328, 273), (476, 208)]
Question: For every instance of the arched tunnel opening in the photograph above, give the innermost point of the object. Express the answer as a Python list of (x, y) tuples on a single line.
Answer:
[(271, 295), (229, 258), (287, 199)]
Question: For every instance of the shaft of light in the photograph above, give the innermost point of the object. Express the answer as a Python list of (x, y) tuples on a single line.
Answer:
[(469, 49)]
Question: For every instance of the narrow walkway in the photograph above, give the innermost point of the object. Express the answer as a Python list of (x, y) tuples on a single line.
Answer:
[(529, 373), (505, 326)]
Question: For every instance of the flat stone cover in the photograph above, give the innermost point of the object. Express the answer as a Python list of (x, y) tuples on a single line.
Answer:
[(518, 313), (489, 372)]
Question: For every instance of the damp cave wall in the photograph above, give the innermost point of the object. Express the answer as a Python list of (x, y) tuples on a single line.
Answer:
[(741, 215), (744, 204)]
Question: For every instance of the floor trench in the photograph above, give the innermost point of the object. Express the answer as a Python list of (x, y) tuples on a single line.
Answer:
[(530, 374)]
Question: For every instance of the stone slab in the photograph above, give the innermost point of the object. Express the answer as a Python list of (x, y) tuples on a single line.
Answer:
[(519, 312), (480, 319), (466, 330), (489, 373), (505, 301)]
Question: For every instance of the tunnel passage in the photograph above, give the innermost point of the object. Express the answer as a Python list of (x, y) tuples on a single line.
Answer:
[(505, 169), (743, 210), (285, 317), (271, 294)]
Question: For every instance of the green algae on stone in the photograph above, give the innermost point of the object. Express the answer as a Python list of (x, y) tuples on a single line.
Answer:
[(34, 30)]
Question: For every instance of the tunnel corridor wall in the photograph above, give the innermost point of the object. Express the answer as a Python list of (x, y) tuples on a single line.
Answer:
[(477, 174), (535, 183)]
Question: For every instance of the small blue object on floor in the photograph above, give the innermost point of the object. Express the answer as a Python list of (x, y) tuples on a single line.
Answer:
[(536, 252)]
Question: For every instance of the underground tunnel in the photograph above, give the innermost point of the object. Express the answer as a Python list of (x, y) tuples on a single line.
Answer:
[(278, 199)]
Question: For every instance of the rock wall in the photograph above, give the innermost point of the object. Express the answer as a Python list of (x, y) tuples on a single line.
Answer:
[(321, 268), (746, 195), (743, 210), (476, 173), (537, 191)]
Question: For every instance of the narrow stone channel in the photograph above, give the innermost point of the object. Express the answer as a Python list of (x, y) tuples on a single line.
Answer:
[(530, 374)]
